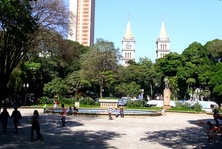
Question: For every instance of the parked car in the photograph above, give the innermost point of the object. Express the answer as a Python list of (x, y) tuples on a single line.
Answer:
[(123, 101), (208, 105)]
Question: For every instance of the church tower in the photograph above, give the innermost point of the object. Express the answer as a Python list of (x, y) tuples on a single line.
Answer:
[(162, 43), (128, 48)]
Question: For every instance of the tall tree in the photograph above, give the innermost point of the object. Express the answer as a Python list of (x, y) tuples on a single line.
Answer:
[(195, 61), (48, 44), (17, 27), (214, 49), (100, 59)]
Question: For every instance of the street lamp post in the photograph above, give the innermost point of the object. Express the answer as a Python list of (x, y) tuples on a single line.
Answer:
[(26, 86)]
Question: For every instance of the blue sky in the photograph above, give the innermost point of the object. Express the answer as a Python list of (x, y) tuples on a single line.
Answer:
[(186, 21)]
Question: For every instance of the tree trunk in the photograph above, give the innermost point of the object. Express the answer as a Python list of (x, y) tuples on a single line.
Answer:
[(3, 89), (101, 91)]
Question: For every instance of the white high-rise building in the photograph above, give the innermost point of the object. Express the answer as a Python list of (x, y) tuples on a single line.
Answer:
[(82, 17)]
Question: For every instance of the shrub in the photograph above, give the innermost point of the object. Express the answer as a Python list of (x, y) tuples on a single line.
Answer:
[(197, 106), (135, 103), (68, 101), (86, 101), (187, 105), (181, 105), (46, 100), (97, 103)]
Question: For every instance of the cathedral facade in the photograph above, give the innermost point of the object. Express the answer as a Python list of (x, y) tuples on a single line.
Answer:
[(128, 45)]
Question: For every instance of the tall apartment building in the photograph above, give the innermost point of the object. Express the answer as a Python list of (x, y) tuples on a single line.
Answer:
[(81, 18)]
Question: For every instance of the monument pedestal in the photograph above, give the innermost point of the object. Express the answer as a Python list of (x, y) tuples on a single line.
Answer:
[(166, 99)]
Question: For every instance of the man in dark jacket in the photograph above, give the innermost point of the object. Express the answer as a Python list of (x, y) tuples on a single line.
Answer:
[(4, 117), (16, 115)]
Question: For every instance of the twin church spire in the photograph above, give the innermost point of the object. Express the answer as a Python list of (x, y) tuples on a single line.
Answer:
[(128, 50), (162, 43), (128, 42), (128, 34), (163, 33)]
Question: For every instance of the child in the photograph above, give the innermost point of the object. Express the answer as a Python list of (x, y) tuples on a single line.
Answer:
[(70, 110), (75, 111), (121, 112), (44, 107)]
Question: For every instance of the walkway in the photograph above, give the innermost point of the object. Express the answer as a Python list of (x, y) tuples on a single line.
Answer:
[(174, 130)]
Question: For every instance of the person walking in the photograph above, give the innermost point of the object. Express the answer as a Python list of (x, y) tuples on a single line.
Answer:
[(44, 108), (116, 112), (110, 109), (35, 126), (4, 117), (70, 110), (63, 114), (121, 111), (16, 116), (216, 116), (75, 111)]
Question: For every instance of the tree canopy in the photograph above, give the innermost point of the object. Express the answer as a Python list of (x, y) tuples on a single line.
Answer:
[(101, 58), (17, 28)]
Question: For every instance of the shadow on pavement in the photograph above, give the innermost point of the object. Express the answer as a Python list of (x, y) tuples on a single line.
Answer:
[(190, 137), (56, 136)]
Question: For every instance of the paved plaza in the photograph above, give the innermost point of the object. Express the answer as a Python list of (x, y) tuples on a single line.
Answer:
[(174, 130)]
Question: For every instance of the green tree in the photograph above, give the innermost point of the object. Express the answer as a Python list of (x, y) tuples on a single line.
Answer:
[(17, 26), (75, 83), (173, 81), (131, 89), (56, 87), (216, 82), (141, 73), (169, 64), (100, 59), (194, 63), (214, 48), (71, 52)]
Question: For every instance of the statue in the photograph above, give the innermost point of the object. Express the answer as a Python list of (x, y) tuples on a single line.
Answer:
[(166, 95), (166, 83)]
